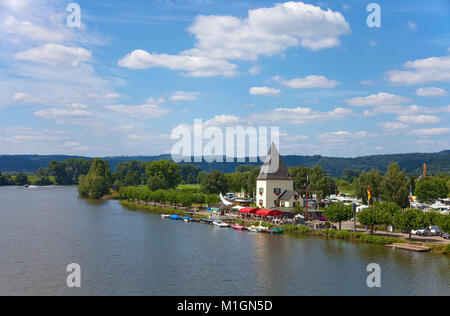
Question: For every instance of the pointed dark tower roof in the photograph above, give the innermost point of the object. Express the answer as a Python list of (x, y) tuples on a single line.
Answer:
[(274, 167)]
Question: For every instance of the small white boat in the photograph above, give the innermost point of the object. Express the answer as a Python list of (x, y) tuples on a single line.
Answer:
[(165, 216), (220, 224), (253, 229)]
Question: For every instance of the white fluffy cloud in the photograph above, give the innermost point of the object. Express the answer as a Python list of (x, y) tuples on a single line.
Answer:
[(431, 131), (222, 120), (342, 136), (419, 119), (380, 99), (194, 66), (26, 135), (255, 70), (146, 111), (433, 69), (63, 115), (300, 115), (407, 110), (308, 82), (267, 91), (55, 54), (431, 92), (268, 31), (392, 126), (265, 32), (184, 96), (37, 50)]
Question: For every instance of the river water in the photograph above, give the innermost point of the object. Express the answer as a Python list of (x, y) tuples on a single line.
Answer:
[(124, 252)]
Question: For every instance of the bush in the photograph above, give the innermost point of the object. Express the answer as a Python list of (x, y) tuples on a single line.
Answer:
[(446, 250)]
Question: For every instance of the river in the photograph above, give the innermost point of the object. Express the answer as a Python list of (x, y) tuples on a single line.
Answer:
[(124, 252)]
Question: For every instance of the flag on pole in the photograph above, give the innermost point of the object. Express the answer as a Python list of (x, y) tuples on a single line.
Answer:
[(411, 194), (369, 195)]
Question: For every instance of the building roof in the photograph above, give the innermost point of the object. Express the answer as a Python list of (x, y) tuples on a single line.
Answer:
[(287, 195), (274, 167)]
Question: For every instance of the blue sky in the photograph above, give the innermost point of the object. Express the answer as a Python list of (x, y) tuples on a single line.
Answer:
[(135, 70)]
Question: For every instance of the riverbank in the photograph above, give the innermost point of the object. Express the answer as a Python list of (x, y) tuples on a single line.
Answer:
[(299, 229)]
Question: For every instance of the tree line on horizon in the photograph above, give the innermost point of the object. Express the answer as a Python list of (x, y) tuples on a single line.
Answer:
[(392, 186), (437, 163)]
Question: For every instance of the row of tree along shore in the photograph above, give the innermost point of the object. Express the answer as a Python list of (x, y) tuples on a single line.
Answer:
[(392, 186)]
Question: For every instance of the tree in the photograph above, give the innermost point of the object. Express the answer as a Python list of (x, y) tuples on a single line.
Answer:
[(43, 177), (130, 173), (212, 199), (338, 213), (6, 180), (200, 199), (157, 183), (215, 182), (299, 175), (249, 180), (366, 180), (201, 175), (373, 216), (432, 188), (394, 187), (22, 179), (163, 169), (245, 168), (68, 172), (409, 220), (444, 222), (350, 175), (235, 181), (319, 182), (186, 199), (97, 182), (189, 173)]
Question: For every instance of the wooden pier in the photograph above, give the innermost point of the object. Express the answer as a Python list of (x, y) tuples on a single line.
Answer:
[(410, 247)]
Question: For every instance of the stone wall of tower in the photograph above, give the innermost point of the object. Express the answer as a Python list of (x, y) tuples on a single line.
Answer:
[(268, 195)]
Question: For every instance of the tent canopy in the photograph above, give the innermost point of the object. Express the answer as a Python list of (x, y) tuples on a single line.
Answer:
[(265, 212), (248, 210)]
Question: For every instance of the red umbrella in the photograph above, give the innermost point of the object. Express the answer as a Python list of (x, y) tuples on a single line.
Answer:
[(248, 210), (266, 212)]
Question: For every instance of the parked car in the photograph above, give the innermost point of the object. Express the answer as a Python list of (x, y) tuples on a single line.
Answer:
[(422, 232), (435, 230), (446, 236)]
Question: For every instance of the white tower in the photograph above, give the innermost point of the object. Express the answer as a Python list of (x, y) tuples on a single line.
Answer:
[(273, 181)]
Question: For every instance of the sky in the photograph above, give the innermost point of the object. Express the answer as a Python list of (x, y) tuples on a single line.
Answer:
[(133, 71)]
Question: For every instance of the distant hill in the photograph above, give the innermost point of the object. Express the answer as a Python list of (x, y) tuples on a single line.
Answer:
[(436, 162)]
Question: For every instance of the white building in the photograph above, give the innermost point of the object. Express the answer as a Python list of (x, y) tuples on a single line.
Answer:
[(274, 185)]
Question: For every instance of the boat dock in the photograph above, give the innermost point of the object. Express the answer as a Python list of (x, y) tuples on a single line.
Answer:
[(410, 247)]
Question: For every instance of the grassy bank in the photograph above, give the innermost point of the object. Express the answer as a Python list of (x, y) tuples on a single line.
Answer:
[(343, 234), (159, 209)]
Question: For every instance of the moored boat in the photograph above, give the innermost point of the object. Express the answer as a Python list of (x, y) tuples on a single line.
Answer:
[(238, 227), (175, 217), (277, 230), (188, 219), (220, 223), (165, 216), (253, 229)]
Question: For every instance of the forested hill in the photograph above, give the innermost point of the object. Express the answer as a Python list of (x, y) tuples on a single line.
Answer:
[(436, 162)]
